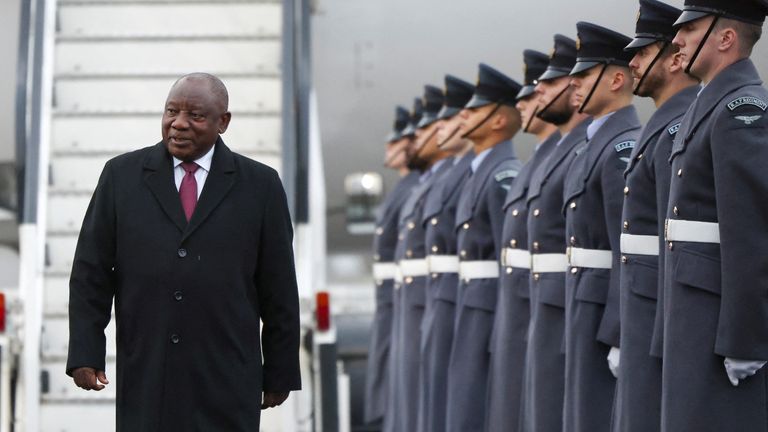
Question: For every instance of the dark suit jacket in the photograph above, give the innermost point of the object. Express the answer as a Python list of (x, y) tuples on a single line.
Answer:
[(189, 297)]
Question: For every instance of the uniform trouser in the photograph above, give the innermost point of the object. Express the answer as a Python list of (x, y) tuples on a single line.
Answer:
[(696, 393), (376, 384), (391, 414), (637, 407), (437, 339), (468, 365), (589, 384), (409, 354), (507, 349), (544, 376)]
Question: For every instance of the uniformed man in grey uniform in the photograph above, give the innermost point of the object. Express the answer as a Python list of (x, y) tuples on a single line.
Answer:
[(410, 254), (510, 328), (392, 411), (544, 376), (658, 73), (490, 120), (440, 239), (593, 201), (715, 306), (384, 269)]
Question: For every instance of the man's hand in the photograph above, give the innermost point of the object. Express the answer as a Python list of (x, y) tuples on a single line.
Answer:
[(741, 369), (272, 400), (613, 361), (88, 378)]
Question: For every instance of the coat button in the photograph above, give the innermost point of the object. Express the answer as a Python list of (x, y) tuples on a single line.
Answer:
[(573, 241), (573, 205), (178, 296), (466, 226), (182, 252), (509, 270), (513, 243), (411, 225), (377, 257), (675, 210), (535, 246), (433, 221), (434, 275), (624, 259), (400, 237), (536, 276), (379, 231), (626, 225), (434, 249), (175, 338), (626, 190), (515, 212), (409, 280), (574, 270), (671, 246), (463, 254), (680, 172), (536, 212), (409, 253)]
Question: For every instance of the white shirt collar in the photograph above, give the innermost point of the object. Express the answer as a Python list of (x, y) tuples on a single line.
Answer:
[(597, 124), (475, 164), (204, 161), (565, 135)]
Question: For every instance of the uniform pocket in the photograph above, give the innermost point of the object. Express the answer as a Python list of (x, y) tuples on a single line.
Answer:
[(550, 289), (643, 276), (593, 287), (447, 287), (481, 294), (520, 280), (697, 270)]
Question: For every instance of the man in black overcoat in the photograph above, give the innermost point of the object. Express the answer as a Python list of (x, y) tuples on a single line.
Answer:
[(193, 243)]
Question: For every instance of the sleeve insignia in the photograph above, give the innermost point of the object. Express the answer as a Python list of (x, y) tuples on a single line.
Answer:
[(503, 175), (624, 145), (747, 100), (674, 129)]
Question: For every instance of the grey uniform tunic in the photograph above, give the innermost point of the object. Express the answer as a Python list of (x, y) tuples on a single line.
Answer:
[(715, 303), (384, 242), (479, 220), (409, 308), (510, 328), (544, 376), (439, 318), (638, 389), (593, 200)]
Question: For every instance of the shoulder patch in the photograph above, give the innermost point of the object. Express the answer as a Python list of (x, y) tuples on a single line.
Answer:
[(624, 145), (747, 100), (674, 129), (503, 175)]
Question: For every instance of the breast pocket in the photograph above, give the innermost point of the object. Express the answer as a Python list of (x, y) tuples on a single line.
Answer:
[(697, 270), (593, 286)]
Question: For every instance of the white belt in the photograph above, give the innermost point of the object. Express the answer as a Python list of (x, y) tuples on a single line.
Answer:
[(590, 258), (414, 267), (549, 263), (517, 258), (692, 231), (384, 271), (478, 270), (640, 244), (443, 263)]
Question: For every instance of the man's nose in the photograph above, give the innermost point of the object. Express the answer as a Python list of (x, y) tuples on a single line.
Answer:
[(180, 121)]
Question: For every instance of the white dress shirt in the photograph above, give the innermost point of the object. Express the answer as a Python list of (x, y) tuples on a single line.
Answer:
[(200, 175)]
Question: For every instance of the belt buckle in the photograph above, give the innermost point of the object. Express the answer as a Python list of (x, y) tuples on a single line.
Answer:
[(569, 253), (530, 262), (666, 229), (504, 257)]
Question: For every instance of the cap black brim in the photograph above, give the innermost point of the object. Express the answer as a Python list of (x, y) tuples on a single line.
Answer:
[(688, 16), (478, 101), (551, 74), (582, 66), (640, 42), (526, 91), (448, 112), (409, 130)]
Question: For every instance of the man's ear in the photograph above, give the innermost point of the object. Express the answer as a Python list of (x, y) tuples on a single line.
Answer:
[(675, 62), (727, 38), (618, 78), (224, 122), (500, 120)]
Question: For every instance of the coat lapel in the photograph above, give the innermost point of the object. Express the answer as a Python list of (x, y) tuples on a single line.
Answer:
[(220, 180), (158, 175), (522, 182)]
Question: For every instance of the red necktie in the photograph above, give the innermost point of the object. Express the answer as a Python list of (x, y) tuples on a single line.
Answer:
[(188, 188)]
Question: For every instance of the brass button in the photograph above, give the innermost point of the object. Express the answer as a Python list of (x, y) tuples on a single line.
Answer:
[(535, 246), (536, 212), (536, 276), (466, 226), (513, 243), (433, 221), (376, 257), (680, 172), (463, 253), (466, 281), (573, 241), (434, 275), (515, 212), (409, 280), (409, 253), (626, 190), (411, 225), (675, 210), (509, 270), (624, 259), (400, 237), (574, 270), (626, 225), (573, 205), (379, 231), (434, 248), (671, 245), (640, 156)]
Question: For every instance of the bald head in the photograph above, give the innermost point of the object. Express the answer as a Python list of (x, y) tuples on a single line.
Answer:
[(214, 85)]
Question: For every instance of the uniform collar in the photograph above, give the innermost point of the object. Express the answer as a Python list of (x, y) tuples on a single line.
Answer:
[(597, 124), (479, 158)]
